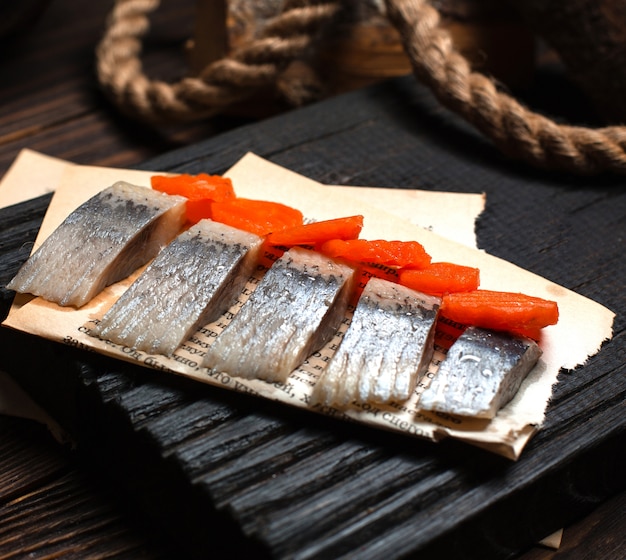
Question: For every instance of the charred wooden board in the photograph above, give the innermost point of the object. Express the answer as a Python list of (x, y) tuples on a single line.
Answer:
[(223, 472)]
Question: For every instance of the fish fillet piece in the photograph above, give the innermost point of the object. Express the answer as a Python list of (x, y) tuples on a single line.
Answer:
[(386, 348), (102, 241), (295, 309), (191, 282), (482, 372)]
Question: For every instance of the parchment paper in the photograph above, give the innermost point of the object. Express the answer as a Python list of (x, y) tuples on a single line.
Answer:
[(33, 174), (565, 345)]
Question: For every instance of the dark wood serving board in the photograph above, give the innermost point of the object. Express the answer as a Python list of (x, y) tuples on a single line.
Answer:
[(224, 474)]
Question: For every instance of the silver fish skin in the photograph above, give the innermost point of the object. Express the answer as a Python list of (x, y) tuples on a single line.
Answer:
[(191, 282), (295, 309), (481, 373), (386, 348), (102, 241)]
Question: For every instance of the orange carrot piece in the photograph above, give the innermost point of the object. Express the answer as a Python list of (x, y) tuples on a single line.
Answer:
[(505, 311), (197, 210), (215, 187), (392, 253), (318, 232), (441, 278), (201, 191), (256, 216)]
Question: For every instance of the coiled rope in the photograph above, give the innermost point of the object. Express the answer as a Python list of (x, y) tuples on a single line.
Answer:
[(222, 83), (517, 131)]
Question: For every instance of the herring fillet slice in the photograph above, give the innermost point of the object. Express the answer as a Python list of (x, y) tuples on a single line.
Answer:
[(102, 241), (481, 373), (387, 346), (191, 282), (294, 310)]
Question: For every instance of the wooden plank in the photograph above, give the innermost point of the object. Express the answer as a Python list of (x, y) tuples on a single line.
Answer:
[(286, 483), (49, 508), (50, 99), (581, 539)]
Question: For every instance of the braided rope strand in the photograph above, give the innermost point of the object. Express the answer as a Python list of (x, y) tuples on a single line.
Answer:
[(516, 131), (222, 83)]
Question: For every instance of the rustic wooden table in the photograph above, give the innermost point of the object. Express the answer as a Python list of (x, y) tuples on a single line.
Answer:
[(52, 502)]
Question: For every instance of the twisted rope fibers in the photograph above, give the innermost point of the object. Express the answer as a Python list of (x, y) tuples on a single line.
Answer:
[(518, 132), (221, 84)]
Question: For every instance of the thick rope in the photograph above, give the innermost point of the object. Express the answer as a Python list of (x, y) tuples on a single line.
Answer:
[(226, 81), (518, 132)]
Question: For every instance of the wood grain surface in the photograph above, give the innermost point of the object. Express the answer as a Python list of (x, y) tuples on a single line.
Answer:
[(207, 462)]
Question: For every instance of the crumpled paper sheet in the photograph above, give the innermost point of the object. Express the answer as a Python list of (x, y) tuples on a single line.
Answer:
[(565, 345), (33, 174)]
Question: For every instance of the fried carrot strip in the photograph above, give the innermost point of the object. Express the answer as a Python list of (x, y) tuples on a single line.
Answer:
[(318, 232), (441, 278), (392, 253), (256, 216), (201, 190), (507, 311)]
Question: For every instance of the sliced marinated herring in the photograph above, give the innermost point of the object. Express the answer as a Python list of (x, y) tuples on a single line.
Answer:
[(104, 240), (191, 282), (481, 373), (387, 346), (295, 309)]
